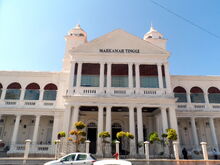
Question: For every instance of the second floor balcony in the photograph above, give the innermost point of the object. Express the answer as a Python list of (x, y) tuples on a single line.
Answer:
[(107, 79), (117, 91), (14, 96), (197, 99)]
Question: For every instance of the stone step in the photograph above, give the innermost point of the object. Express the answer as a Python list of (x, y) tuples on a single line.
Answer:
[(11, 161)]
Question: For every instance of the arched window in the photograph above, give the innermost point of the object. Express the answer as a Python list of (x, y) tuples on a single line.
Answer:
[(50, 92), (13, 91), (92, 125), (180, 94), (0, 90), (214, 95), (32, 92), (197, 95), (116, 125)]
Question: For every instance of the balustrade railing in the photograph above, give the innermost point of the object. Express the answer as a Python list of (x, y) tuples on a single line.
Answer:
[(34, 148), (151, 92), (181, 106), (27, 103), (116, 91), (197, 107)]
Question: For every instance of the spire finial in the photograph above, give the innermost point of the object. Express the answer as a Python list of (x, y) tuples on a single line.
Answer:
[(77, 26), (152, 28)]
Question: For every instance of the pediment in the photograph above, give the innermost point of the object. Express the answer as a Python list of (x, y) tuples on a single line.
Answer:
[(119, 41)]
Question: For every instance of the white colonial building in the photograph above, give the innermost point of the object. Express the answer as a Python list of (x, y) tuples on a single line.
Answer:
[(115, 82)]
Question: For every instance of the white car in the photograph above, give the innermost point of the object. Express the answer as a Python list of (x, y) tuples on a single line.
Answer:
[(112, 162), (74, 158)]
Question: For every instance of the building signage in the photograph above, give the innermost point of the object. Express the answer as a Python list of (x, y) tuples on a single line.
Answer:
[(119, 51)]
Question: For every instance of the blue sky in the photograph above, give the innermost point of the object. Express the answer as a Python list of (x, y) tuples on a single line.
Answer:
[(32, 31)]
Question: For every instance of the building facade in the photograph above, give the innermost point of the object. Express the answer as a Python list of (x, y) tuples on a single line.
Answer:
[(113, 83)]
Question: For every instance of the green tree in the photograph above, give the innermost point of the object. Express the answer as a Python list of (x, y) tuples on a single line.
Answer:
[(153, 137), (165, 139), (103, 136), (123, 137), (171, 136), (78, 134)]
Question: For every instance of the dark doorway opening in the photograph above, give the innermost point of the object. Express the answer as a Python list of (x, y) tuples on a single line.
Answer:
[(116, 127), (92, 136)]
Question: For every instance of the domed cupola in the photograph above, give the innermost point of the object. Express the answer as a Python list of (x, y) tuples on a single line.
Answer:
[(77, 36), (74, 38), (78, 32), (155, 37)]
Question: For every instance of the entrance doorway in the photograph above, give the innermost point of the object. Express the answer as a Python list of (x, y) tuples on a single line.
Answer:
[(116, 127), (92, 136)]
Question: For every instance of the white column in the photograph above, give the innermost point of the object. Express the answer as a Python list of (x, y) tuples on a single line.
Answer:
[(109, 127), (55, 127), (140, 129), (101, 76), (117, 149), (214, 138), (66, 119), (79, 73), (71, 77), (188, 97), (173, 119), (36, 126), (160, 78), (204, 150), (109, 76), (194, 132), (27, 149), (188, 100), (137, 76), (176, 150), (41, 95), (109, 119), (167, 77), (100, 129), (22, 94), (15, 131), (164, 119), (206, 100), (3, 94), (132, 130), (76, 114), (147, 153), (130, 75), (87, 145)]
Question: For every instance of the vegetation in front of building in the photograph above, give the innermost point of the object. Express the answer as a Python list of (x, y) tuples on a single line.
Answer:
[(166, 139)]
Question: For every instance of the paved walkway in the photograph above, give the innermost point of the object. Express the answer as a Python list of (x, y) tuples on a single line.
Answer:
[(40, 161)]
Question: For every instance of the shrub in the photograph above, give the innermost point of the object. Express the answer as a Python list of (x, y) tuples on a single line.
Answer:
[(104, 134), (129, 135), (80, 125), (171, 134), (79, 134), (61, 134), (153, 137)]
